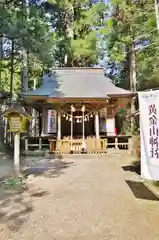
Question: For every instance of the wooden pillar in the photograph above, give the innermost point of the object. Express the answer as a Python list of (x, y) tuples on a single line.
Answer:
[(33, 123), (26, 144), (40, 143), (83, 126), (97, 125), (84, 147), (116, 143), (43, 122), (16, 152), (130, 146), (59, 126), (71, 119)]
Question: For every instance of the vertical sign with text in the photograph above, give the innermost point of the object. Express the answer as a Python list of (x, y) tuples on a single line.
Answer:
[(149, 134), (52, 116), (153, 131)]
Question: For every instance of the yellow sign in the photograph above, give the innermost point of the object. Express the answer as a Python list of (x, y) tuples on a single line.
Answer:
[(15, 124), (17, 118)]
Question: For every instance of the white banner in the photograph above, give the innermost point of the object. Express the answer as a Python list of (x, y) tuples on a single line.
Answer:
[(149, 134), (110, 126), (52, 121)]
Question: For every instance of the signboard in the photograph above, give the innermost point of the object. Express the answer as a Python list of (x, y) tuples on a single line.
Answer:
[(110, 126), (149, 134), (15, 124), (52, 121)]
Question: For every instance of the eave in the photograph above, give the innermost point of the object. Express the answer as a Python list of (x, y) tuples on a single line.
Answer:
[(126, 95)]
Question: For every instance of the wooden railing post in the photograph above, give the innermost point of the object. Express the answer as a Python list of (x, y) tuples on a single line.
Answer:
[(105, 143), (58, 145), (26, 144), (51, 146), (116, 143), (40, 143), (130, 147)]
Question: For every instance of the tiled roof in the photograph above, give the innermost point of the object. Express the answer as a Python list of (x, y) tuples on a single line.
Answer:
[(77, 83)]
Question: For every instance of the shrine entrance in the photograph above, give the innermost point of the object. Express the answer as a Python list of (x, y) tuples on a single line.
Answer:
[(77, 123)]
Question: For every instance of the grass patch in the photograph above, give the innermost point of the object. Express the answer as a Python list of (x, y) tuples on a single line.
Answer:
[(14, 183)]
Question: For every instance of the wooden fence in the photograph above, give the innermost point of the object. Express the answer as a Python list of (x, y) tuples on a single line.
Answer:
[(66, 146)]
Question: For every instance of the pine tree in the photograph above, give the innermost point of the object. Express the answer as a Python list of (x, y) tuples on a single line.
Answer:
[(131, 26), (33, 33), (76, 25)]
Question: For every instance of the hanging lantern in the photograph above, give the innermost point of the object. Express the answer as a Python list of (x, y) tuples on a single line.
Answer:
[(91, 115), (78, 121), (70, 119), (85, 119), (67, 117), (64, 115)]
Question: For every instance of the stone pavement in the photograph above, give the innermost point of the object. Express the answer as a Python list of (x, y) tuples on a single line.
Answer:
[(88, 198)]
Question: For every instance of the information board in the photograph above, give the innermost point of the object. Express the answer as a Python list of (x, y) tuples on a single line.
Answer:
[(14, 124)]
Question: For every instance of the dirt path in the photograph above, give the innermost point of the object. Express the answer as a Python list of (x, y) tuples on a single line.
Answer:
[(89, 199)]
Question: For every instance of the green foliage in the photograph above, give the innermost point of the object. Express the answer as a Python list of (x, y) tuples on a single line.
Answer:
[(30, 29), (77, 23), (12, 182), (49, 33), (34, 32), (124, 123), (132, 23)]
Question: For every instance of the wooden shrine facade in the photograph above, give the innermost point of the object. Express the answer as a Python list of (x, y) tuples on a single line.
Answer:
[(74, 119)]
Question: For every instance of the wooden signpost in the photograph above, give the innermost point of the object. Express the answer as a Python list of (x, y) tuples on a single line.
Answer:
[(17, 118)]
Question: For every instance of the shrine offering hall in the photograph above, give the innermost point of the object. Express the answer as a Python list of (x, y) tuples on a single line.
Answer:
[(74, 110)]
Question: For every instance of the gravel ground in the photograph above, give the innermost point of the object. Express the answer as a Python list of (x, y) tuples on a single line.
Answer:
[(83, 198)]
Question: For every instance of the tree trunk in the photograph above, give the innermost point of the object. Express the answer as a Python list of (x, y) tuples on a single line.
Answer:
[(34, 116), (24, 72), (132, 65), (157, 14), (132, 72), (24, 62), (12, 71), (1, 57), (68, 61)]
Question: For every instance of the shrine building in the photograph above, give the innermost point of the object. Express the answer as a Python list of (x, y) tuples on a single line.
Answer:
[(76, 108)]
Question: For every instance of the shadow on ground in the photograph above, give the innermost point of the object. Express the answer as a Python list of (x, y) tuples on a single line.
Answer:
[(134, 167), (16, 203), (141, 191), (14, 211), (50, 169)]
